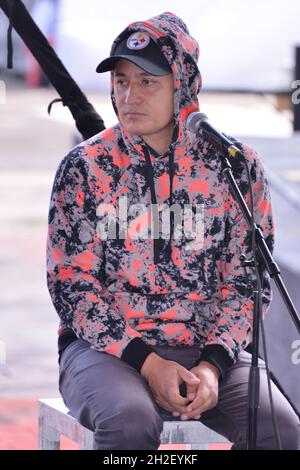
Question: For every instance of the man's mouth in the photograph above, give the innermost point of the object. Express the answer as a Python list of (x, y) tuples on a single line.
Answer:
[(133, 114)]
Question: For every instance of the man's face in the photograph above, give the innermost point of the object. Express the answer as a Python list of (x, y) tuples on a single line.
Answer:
[(144, 102)]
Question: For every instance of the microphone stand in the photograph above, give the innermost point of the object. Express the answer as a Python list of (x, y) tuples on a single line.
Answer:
[(226, 147)]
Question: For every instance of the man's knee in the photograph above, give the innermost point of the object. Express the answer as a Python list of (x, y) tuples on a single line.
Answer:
[(289, 429), (129, 426)]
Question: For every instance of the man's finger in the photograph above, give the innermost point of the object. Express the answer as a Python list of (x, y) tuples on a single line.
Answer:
[(197, 410), (191, 391), (188, 377), (176, 401), (176, 410), (197, 403)]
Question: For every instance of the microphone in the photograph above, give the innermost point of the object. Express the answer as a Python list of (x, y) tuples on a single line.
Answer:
[(198, 123)]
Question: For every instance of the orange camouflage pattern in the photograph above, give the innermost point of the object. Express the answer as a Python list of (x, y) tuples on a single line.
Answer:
[(111, 291)]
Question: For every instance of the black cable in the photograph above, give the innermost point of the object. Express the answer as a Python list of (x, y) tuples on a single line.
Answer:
[(274, 417), (259, 295), (9, 36)]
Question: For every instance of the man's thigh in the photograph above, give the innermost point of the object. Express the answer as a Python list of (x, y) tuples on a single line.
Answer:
[(96, 385)]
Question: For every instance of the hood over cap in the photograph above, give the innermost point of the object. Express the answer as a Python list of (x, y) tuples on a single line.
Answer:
[(181, 51)]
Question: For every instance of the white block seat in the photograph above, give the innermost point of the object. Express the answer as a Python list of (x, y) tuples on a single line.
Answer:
[(55, 420)]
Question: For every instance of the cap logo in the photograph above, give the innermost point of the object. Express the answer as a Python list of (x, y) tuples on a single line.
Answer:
[(138, 41)]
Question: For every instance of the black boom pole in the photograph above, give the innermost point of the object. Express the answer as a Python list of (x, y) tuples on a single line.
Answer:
[(88, 121)]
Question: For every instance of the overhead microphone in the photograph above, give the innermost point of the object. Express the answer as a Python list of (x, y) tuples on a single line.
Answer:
[(198, 123)]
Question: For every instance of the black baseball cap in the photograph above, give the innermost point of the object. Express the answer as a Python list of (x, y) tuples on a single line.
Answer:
[(140, 49)]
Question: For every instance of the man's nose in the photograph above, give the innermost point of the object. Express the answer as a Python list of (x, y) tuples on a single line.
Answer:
[(133, 94)]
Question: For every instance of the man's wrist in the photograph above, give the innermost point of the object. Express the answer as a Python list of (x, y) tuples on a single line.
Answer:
[(136, 352), (218, 356), (149, 363), (211, 367)]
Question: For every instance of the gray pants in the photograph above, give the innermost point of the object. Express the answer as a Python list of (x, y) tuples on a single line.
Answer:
[(112, 399)]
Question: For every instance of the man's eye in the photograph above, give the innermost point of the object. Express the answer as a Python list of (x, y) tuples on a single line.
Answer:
[(146, 81)]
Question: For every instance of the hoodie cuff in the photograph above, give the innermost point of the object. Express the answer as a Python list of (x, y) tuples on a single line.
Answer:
[(217, 356), (136, 352)]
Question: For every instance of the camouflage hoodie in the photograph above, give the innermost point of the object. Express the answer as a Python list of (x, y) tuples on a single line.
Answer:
[(126, 294)]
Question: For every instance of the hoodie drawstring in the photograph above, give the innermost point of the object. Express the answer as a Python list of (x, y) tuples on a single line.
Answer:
[(158, 242), (150, 177), (171, 176)]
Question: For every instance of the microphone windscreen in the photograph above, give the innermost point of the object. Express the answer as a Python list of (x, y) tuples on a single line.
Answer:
[(194, 121)]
